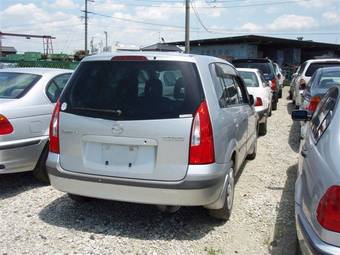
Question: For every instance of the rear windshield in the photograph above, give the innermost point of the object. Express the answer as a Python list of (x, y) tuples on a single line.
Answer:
[(262, 66), (250, 79), (16, 85), (328, 79), (315, 66), (134, 90)]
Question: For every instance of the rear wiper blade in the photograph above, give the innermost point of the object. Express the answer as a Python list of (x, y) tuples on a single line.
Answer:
[(117, 112)]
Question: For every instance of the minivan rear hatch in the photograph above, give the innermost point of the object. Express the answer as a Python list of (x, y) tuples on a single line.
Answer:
[(129, 118)]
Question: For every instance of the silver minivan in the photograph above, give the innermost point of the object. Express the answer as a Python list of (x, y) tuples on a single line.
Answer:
[(168, 129)]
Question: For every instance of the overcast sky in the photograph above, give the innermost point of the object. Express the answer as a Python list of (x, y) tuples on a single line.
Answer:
[(143, 22)]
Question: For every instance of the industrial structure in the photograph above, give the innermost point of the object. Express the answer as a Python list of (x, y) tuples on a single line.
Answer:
[(282, 51)]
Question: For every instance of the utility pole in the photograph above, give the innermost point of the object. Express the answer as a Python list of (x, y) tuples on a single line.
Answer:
[(86, 24), (106, 49), (187, 26)]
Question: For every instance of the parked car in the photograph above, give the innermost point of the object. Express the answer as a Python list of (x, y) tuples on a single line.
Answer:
[(317, 189), (305, 73), (118, 134), (280, 77), (260, 89), (266, 66), (27, 97), (292, 84), (322, 80)]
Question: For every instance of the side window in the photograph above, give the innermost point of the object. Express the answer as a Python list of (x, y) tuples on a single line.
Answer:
[(56, 86), (302, 68), (324, 114), (231, 87), (221, 92), (240, 92)]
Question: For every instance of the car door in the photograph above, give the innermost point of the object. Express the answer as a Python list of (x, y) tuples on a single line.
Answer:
[(235, 107), (249, 112)]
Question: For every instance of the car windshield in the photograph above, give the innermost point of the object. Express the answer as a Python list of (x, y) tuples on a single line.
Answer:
[(134, 90), (16, 85), (328, 79), (263, 67), (315, 66), (249, 78)]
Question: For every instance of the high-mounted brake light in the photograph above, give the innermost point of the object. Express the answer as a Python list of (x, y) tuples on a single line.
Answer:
[(6, 127), (54, 130), (129, 58), (313, 104), (202, 141), (328, 212), (258, 101)]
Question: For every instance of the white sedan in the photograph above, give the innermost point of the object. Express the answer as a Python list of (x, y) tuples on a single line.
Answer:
[(260, 89), (27, 98)]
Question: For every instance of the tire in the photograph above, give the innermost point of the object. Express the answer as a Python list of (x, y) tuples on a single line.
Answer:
[(78, 198), (270, 111), (252, 156), (40, 171), (168, 209), (263, 129), (225, 212), (274, 106)]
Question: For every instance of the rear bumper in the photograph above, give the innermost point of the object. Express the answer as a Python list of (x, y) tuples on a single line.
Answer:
[(309, 241), (202, 186), (20, 155)]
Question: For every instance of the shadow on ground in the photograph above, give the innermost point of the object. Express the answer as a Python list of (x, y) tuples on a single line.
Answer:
[(294, 134), (14, 184), (284, 240), (137, 221)]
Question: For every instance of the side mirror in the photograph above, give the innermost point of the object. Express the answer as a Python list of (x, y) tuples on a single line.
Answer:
[(301, 115), (251, 100)]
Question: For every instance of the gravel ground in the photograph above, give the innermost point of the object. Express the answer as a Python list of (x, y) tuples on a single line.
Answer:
[(37, 219)]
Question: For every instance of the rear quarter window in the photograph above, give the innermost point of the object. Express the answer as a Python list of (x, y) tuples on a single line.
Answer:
[(134, 90), (315, 66), (16, 85)]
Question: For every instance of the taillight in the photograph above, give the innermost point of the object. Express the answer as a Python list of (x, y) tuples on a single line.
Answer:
[(54, 130), (328, 212), (313, 104), (6, 127), (202, 141), (302, 84), (258, 102), (274, 85)]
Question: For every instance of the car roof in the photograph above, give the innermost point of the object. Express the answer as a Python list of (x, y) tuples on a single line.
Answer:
[(254, 70), (323, 60), (36, 70), (259, 60), (328, 69), (154, 55)]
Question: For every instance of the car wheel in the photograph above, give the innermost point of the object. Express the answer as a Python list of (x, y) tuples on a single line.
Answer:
[(263, 129), (78, 198), (168, 209), (252, 156), (274, 106), (225, 212), (40, 171)]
